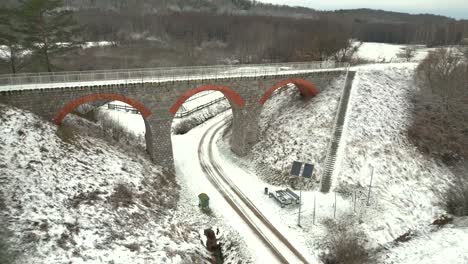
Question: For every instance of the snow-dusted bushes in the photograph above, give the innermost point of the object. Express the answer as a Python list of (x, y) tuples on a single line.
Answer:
[(113, 128), (186, 124), (440, 111), (122, 196), (456, 197), (86, 111), (6, 254), (66, 133), (345, 243), (442, 73)]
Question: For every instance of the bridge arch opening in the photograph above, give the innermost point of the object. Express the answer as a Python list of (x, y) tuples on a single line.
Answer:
[(131, 124), (196, 106), (306, 88), (233, 97), (69, 107)]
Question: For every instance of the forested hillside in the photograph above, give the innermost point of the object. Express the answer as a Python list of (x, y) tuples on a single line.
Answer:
[(148, 33)]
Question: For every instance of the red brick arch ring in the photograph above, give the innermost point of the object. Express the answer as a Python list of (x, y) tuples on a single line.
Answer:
[(233, 97), (65, 110), (306, 88)]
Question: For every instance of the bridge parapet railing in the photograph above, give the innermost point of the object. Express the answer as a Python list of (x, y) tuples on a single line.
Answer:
[(164, 74)]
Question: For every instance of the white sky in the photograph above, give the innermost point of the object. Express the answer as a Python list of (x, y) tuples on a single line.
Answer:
[(452, 8)]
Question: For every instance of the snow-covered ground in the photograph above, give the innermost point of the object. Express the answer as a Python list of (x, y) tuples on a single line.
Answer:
[(384, 52), (62, 202), (406, 189), (134, 122), (287, 135), (406, 184)]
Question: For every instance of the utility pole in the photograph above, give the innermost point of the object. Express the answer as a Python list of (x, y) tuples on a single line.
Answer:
[(370, 186), (334, 209), (313, 220), (300, 204)]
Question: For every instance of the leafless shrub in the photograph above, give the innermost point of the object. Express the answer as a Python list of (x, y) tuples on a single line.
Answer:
[(347, 52), (440, 111), (442, 74), (64, 240), (44, 226), (405, 237), (122, 196), (442, 221), (407, 53), (133, 247), (21, 133), (185, 125), (345, 244), (66, 133), (7, 255), (73, 228), (456, 197), (89, 198), (114, 128), (30, 237), (464, 50), (86, 111)]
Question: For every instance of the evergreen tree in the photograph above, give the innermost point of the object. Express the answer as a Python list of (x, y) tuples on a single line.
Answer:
[(10, 37), (49, 28)]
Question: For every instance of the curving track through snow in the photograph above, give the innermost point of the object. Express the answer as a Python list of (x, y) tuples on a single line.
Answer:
[(279, 246)]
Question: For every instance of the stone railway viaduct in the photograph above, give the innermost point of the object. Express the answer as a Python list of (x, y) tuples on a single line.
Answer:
[(158, 94)]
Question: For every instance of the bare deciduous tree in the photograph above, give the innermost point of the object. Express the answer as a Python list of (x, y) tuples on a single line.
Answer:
[(443, 73), (408, 53)]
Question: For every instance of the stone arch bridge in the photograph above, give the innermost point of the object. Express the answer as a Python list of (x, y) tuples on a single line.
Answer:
[(158, 94)]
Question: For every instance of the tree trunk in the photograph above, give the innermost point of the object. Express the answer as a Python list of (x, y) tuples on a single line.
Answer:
[(46, 56), (12, 61)]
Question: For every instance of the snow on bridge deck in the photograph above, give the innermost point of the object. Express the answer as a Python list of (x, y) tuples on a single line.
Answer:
[(159, 75)]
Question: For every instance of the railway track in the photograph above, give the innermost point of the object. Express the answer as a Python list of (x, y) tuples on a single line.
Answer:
[(279, 246)]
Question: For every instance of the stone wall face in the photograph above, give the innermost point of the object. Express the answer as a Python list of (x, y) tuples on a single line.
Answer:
[(158, 99)]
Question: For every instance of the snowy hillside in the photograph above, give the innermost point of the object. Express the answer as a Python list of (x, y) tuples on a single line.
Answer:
[(84, 200), (407, 186), (294, 128)]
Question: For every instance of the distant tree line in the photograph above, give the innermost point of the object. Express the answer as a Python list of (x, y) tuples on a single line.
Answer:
[(251, 38), (366, 24), (36, 31)]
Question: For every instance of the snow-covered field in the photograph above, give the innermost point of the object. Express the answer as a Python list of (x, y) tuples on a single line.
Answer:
[(383, 52)]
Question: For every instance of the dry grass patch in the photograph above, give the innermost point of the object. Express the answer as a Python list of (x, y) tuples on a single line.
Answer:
[(345, 243)]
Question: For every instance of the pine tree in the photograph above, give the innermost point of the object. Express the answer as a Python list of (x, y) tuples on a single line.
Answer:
[(10, 37), (49, 29)]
